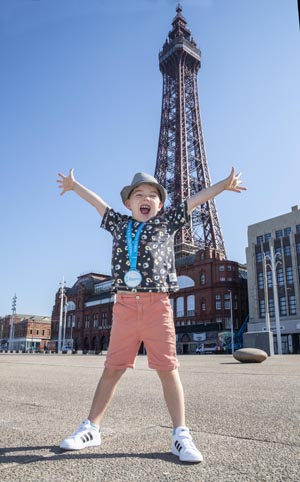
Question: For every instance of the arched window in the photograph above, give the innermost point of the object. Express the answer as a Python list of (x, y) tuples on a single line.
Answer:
[(71, 306), (185, 282), (179, 307), (191, 305)]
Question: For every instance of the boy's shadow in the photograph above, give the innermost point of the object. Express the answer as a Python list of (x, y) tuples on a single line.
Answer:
[(11, 455)]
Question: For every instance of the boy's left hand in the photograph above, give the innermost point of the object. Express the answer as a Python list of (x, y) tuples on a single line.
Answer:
[(233, 182)]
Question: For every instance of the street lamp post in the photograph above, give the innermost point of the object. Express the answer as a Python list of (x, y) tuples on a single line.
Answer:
[(62, 287), (272, 265), (32, 326), (65, 319), (231, 323), (71, 330), (264, 263), (13, 318)]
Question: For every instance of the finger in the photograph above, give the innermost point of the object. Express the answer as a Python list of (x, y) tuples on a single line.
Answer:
[(62, 175)]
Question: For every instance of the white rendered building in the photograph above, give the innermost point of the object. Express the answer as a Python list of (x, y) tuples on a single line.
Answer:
[(275, 242)]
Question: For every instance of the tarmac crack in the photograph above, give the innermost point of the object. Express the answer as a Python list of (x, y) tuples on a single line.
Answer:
[(253, 439)]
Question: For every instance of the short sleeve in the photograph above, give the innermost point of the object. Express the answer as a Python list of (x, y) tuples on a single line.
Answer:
[(111, 220), (177, 217)]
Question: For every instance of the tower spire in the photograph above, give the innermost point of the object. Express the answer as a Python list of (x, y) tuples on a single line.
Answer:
[(181, 165)]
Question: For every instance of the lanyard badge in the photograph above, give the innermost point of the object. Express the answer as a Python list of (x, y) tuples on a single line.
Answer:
[(133, 277)]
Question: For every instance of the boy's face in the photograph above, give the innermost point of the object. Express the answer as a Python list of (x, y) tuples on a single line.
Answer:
[(144, 202)]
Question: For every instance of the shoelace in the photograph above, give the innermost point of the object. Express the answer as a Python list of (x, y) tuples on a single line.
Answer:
[(187, 441), (84, 426)]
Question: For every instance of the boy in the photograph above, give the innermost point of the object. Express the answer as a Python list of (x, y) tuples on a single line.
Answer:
[(143, 271)]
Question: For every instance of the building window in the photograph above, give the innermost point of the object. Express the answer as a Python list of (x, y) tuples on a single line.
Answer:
[(227, 323), (95, 323), (278, 234), (260, 280), (185, 282), (289, 275), (104, 319), (87, 321), (271, 307), (287, 250), (267, 237), (227, 301), (259, 239), (43, 332), (222, 278), (179, 307), (191, 305), (262, 309), (202, 279), (280, 277), (259, 257), (218, 302), (221, 267), (203, 305), (78, 323), (297, 228), (229, 267), (71, 306), (278, 252), (269, 279), (103, 286), (298, 247), (282, 306), (292, 305), (287, 231)]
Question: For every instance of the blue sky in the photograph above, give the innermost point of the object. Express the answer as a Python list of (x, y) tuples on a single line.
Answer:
[(80, 87)]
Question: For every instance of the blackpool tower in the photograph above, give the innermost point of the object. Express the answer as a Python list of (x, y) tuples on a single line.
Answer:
[(181, 165)]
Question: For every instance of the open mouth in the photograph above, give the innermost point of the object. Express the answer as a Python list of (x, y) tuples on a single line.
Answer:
[(145, 209)]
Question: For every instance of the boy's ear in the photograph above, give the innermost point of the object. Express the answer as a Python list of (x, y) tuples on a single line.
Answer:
[(127, 203)]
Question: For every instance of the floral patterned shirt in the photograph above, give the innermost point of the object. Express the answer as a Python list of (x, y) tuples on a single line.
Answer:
[(156, 258)]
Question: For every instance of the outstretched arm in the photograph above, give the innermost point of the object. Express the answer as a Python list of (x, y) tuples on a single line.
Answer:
[(231, 183), (69, 183)]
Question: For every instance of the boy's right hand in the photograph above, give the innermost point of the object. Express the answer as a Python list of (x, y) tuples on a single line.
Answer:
[(66, 183)]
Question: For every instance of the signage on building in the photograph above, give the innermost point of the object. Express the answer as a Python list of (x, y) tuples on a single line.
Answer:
[(199, 336)]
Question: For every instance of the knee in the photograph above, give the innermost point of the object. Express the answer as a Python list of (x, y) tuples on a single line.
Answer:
[(167, 374)]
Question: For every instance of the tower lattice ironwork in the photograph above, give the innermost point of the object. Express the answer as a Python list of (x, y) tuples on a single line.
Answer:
[(181, 165)]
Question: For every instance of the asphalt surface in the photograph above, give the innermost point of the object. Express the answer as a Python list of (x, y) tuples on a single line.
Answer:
[(245, 419)]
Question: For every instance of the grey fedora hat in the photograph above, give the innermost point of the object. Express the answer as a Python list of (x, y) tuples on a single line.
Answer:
[(143, 178)]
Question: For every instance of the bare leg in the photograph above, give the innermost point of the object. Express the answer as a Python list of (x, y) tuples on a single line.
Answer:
[(104, 393), (174, 397)]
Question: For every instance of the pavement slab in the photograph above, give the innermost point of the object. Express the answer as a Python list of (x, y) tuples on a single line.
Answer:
[(245, 419)]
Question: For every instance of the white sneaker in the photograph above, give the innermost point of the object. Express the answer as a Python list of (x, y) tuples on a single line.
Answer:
[(85, 436), (184, 447)]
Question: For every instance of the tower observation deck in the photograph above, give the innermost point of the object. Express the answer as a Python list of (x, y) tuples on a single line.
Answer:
[(181, 165)]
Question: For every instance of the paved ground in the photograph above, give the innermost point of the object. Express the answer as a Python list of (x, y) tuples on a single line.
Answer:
[(244, 417)]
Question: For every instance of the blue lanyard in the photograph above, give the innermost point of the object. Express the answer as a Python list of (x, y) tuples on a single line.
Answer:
[(133, 245)]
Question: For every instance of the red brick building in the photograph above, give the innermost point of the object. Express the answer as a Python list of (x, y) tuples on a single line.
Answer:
[(202, 307), (30, 332), (87, 321)]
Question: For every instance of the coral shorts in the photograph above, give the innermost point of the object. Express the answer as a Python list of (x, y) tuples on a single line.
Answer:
[(142, 317)]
